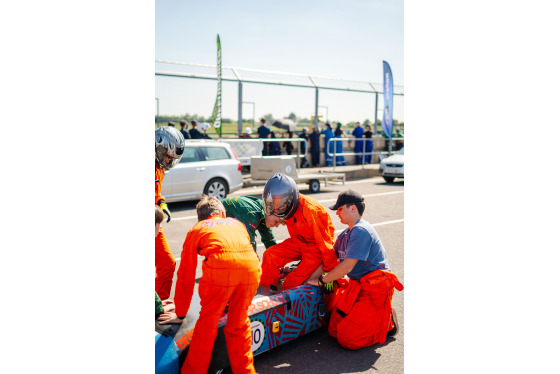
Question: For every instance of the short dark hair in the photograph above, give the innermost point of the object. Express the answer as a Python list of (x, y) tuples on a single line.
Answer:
[(360, 206)]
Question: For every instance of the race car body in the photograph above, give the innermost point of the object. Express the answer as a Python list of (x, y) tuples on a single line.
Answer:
[(275, 320)]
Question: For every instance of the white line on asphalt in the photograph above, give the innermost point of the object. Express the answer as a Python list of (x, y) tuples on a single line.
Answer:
[(321, 201), (188, 217), (335, 231), (369, 195)]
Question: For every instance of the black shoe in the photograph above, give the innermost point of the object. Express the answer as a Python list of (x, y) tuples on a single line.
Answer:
[(395, 329)]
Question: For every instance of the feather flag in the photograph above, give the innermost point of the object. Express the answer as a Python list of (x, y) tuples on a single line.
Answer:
[(387, 124), (217, 112)]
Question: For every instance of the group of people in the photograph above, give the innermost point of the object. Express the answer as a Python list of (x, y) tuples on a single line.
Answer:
[(360, 146), (197, 130), (353, 270)]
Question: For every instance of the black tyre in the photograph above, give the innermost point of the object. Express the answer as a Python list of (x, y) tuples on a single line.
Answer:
[(389, 179), (314, 186), (216, 187)]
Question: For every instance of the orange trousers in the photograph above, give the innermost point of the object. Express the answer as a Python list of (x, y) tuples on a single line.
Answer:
[(362, 315), (289, 250), (217, 288), (165, 266)]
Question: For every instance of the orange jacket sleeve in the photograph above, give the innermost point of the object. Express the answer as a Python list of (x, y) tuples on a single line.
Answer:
[(186, 274), (159, 178), (323, 232)]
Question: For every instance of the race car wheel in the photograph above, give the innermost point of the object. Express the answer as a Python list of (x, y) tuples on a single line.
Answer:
[(216, 187), (314, 186)]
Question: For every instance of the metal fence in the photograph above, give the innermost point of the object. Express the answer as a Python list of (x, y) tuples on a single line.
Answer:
[(246, 148)]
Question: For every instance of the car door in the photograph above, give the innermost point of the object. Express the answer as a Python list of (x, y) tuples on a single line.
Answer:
[(187, 179), (219, 162)]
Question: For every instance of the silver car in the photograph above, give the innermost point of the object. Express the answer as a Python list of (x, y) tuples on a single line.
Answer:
[(392, 167), (207, 167)]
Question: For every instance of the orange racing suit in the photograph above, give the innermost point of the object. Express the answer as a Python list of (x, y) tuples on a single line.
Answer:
[(311, 241), (165, 263), (363, 310), (230, 274)]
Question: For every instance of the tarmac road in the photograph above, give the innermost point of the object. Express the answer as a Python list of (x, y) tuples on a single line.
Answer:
[(317, 352)]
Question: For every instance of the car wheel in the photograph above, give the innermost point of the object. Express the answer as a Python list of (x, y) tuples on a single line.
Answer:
[(314, 185), (389, 179), (216, 187)]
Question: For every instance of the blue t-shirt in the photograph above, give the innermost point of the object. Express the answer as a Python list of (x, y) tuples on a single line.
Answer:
[(363, 244)]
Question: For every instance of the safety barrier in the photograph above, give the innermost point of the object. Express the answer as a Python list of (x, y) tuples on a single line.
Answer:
[(246, 148)]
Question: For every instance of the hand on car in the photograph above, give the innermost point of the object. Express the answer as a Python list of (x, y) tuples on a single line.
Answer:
[(169, 317)]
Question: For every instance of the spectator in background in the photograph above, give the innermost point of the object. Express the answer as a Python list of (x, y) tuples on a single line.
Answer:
[(288, 145), (170, 123), (193, 131), (246, 134), (184, 130), (369, 143), (386, 140), (338, 133), (399, 143), (303, 148), (274, 147), (328, 145), (202, 128), (264, 133), (315, 149), (358, 133)]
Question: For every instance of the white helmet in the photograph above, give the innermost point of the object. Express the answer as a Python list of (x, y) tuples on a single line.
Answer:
[(202, 127)]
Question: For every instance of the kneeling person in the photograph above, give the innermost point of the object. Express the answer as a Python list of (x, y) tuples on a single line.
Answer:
[(230, 274), (363, 314)]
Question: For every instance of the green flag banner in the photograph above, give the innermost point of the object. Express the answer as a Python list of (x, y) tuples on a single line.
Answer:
[(217, 112)]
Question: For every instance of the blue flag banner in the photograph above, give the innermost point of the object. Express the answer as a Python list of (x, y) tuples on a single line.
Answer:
[(387, 124)]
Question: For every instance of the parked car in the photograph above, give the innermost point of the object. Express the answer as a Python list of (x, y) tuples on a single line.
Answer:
[(207, 167), (392, 167)]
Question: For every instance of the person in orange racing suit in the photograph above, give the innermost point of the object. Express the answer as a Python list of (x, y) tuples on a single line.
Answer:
[(170, 145), (364, 314), (311, 234), (230, 274)]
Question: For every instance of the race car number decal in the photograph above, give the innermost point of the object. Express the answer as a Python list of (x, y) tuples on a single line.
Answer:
[(259, 332)]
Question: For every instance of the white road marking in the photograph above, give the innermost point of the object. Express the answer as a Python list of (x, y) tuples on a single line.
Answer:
[(336, 232), (368, 195), (321, 201)]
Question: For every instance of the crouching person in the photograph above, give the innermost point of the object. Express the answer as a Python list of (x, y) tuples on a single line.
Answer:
[(311, 234), (363, 314), (230, 274)]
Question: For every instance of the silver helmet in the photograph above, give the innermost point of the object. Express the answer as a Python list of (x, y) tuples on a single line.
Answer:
[(170, 145), (281, 196)]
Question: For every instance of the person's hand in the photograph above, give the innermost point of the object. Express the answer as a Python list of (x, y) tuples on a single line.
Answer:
[(287, 269), (169, 308), (165, 209), (328, 288), (167, 301), (169, 317)]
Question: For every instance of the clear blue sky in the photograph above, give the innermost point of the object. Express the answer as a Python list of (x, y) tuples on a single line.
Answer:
[(338, 39)]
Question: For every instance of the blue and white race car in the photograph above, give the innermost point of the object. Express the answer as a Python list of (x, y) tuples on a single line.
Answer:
[(275, 320)]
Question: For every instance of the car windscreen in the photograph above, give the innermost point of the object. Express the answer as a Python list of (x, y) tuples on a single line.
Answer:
[(190, 154), (215, 153)]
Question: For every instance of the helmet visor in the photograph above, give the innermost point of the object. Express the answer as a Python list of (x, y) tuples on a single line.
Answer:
[(278, 206)]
